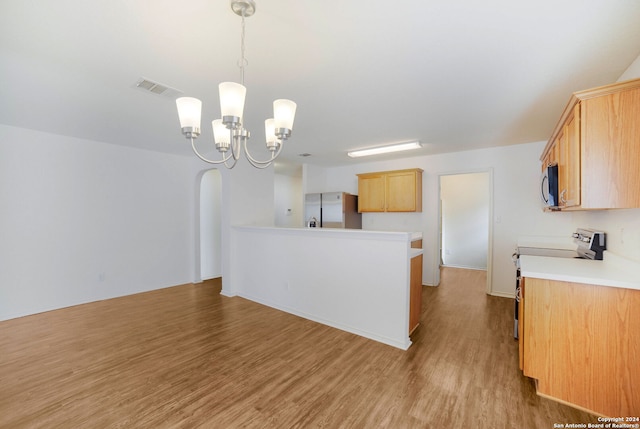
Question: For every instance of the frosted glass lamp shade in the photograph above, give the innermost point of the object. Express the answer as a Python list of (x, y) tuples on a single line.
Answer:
[(189, 111), (232, 99), (284, 112), (221, 134), (270, 134)]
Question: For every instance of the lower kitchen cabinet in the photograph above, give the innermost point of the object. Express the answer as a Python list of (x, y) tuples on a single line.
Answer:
[(582, 345), (415, 293), (521, 321)]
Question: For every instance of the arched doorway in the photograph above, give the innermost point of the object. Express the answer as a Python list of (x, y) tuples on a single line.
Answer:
[(210, 216)]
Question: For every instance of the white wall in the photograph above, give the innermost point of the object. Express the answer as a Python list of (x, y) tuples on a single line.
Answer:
[(622, 228), (632, 72), (251, 194), (210, 225), (465, 220), (288, 200), (516, 204), (83, 221)]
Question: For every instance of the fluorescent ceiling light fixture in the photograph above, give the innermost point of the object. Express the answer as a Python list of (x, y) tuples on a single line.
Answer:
[(385, 149)]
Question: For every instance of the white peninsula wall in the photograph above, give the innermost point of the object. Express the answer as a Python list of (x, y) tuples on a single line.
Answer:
[(353, 280)]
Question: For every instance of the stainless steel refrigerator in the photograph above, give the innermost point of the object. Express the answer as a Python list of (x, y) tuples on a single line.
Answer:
[(332, 210)]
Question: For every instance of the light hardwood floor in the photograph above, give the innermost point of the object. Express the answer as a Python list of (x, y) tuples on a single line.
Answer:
[(188, 357)]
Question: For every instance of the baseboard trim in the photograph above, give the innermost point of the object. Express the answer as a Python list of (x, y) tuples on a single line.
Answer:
[(404, 345), (503, 294), (464, 267)]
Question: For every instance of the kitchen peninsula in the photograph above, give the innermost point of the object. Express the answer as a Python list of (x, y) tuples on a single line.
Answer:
[(354, 280)]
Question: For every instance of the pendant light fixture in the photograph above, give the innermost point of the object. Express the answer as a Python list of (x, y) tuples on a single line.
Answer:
[(229, 135)]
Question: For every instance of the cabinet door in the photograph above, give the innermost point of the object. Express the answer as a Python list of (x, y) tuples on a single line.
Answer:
[(581, 344), (563, 161), (552, 157), (371, 188), (415, 293), (521, 319), (569, 161), (611, 150), (404, 192)]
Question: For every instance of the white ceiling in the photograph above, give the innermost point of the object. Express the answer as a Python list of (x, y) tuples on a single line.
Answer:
[(454, 74)]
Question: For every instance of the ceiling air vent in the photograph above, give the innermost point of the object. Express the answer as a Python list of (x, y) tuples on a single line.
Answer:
[(157, 88)]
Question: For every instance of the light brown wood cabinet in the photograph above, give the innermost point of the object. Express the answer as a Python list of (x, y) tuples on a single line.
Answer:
[(415, 293), (596, 146), (582, 344), (521, 322), (371, 192), (565, 153), (390, 191)]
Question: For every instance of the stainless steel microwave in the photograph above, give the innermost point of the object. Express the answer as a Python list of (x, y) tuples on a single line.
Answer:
[(549, 186)]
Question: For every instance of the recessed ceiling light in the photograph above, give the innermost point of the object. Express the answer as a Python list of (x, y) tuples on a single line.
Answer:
[(385, 149)]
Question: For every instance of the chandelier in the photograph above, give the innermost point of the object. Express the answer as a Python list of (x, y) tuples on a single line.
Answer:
[(229, 136)]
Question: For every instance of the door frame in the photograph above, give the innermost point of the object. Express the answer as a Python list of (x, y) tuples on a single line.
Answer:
[(438, 256)]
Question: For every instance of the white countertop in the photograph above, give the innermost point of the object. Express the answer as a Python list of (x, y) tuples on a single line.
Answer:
[(613, 271), (415, 252), (344, 232)]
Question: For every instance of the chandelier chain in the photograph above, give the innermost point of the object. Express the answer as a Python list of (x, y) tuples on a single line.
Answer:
[(243, 60)]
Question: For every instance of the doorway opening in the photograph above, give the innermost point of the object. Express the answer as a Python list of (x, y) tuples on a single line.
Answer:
[(210, 220), (465, 234)]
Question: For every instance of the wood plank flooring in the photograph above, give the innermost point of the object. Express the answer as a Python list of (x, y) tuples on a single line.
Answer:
[(187, 357)]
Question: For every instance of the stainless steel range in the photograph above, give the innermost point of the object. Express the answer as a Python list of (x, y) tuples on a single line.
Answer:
[(587, 244)]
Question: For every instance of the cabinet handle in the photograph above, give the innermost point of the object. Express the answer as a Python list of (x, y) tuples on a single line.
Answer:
[(562, 196)]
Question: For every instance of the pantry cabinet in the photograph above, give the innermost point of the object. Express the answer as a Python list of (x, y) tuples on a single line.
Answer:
[(390, 191), (596, 146)]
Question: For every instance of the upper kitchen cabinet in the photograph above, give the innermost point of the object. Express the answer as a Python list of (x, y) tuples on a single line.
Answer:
[(371, 192), (596, 146), (390, 191)]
